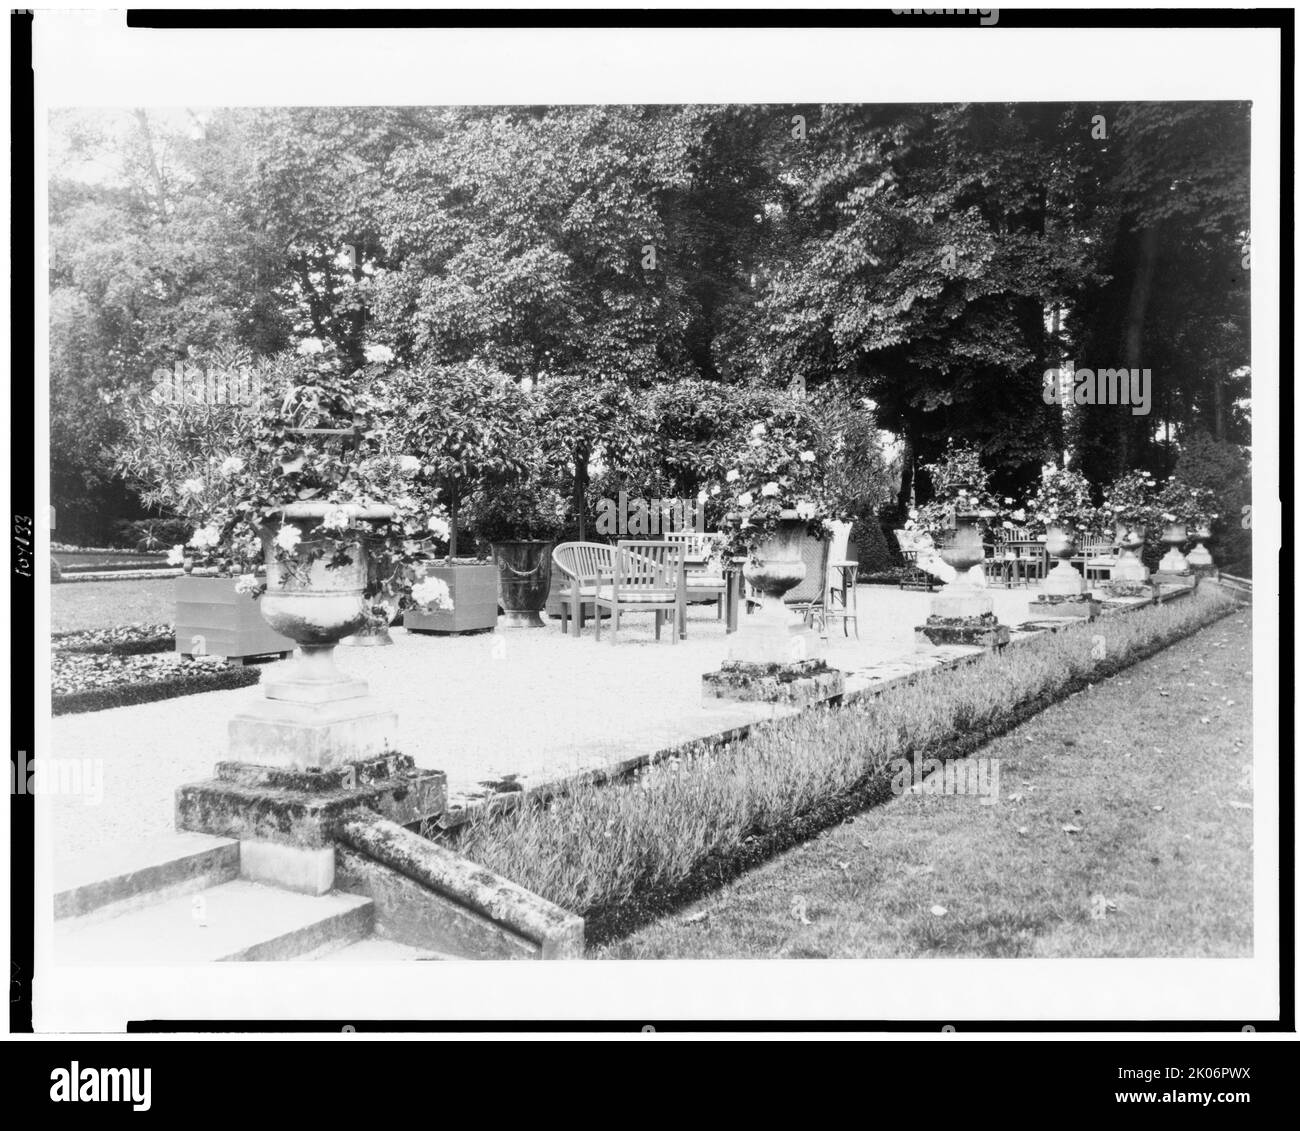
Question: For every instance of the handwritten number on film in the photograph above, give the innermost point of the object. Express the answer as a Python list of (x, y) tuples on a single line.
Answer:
[(23, 545)]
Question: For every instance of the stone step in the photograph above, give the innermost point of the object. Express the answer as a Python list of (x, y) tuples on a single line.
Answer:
[(127, 877), (373, 950), (237, 921)]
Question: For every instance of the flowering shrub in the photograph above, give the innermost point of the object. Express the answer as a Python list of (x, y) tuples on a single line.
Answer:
[(1178, 502), (778, 470), (1062, 499), (1129, 500), (960, 485)]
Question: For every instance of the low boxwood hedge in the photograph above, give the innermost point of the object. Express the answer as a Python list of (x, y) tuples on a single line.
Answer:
[(620, 852)]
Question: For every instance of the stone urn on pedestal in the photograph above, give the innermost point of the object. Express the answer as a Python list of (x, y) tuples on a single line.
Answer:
[(962, 611), (773, 654), (1173, 538), (1064, 593), (1130, 538), (1199, 558), (315, 748)]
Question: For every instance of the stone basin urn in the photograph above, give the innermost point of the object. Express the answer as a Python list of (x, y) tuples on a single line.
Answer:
[(774, 633), (1199, 557), (1174, 538), (1062, 579), (315, 601), (1129, 538), (963, 550)]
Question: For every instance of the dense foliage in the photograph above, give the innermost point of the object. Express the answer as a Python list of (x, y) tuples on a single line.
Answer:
[(641, 272)]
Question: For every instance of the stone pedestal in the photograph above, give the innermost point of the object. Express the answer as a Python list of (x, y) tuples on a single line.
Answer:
[(1120, 587), (1199, 560), (312, 716), (962, 613), (1049, 605), (1167, 580), (773, 634), (774, 657), (1063, 580), (1128, 566), (793, 684), (287, 820)]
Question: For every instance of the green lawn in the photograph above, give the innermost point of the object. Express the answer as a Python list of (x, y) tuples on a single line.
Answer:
[(76, 605), (1123, 828)]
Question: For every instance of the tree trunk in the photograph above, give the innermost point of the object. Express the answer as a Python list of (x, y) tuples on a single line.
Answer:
[(453, 510), (580, 473), (155, 173), (906, 484), (1139, 300)]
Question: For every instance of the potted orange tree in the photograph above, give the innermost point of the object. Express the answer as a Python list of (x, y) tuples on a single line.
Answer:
[(465, 423), (521, 519)]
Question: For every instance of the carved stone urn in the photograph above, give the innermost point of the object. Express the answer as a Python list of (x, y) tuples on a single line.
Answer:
[(1062, 580), (1129, 539), (1174, 538)]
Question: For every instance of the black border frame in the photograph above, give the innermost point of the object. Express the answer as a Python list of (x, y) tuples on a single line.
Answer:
[(22, 690)]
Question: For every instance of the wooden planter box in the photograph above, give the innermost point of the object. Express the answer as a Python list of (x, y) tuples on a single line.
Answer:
[(213, 620), (473, 589)]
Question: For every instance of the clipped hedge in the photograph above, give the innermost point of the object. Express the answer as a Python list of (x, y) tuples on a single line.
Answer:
[(133, 694), (622, 852)]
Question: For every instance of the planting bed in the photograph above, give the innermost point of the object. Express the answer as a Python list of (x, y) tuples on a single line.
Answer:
[(627, 852), (120, 640), (95, 681)]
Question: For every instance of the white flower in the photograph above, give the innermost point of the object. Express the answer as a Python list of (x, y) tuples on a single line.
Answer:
[(439, 528), (807, 457), (746, 499), (192, 487), (733, 475), (337, 519), (206, 537), (432, 593), (805, 509), (288, 538), (247, 584), (176, 555), (717, 490), (770, 489), (311, 345), (409, 464), (759, 429), (378, 353), (232, 466)]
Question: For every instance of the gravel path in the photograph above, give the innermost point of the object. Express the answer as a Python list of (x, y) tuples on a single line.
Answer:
[(534, 705)]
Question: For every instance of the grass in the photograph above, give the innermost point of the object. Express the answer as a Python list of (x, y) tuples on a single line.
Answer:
[(599, 848), (1153, 770), (75, 606)]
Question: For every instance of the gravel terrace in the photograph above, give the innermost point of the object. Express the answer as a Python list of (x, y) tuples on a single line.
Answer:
[(523, 705)]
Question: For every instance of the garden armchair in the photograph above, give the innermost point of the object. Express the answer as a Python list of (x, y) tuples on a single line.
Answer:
[(584, 567)]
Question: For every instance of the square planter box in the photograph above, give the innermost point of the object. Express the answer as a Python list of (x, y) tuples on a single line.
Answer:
[(473, 588), (212, 619)]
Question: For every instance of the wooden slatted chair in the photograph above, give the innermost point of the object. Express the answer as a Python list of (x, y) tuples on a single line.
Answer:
[(705, 577), (647, 577), (585, 566), (1097, 555), (913, 576)]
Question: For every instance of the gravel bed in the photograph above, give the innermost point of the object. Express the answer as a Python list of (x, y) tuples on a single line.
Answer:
[(526, 706)]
